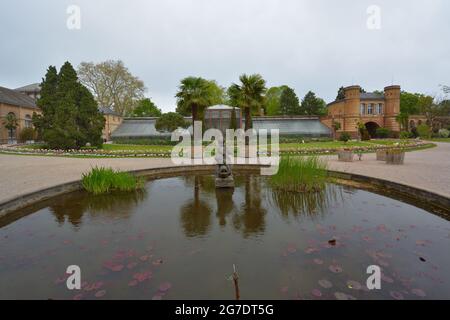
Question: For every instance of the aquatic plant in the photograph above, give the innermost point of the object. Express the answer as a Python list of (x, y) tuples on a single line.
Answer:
[(300, 174), (105, 180)]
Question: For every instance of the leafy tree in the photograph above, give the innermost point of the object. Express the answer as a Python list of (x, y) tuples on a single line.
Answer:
[(341, 94), (272, 100), (233, 120), (289, 103), (70, 116), (10, 123), (146, 108), (170, 121), (112, 84), (249, 95), (312, 105)]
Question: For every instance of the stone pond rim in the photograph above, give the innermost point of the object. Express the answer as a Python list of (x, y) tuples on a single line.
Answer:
[(413, 194)]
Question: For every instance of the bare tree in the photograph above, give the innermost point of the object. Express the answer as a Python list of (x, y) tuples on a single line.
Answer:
[(112, 84)]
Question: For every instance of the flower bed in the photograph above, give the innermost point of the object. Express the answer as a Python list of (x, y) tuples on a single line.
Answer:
[(412, 144)]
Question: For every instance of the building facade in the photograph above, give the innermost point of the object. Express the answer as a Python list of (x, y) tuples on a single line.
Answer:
[(112, 121), (17, 109), (26, 97), (373, 110)]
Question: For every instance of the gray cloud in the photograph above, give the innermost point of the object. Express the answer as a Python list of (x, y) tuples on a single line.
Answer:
[(309, 45)]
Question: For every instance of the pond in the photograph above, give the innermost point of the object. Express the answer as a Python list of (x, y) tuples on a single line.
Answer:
[(180, 238)]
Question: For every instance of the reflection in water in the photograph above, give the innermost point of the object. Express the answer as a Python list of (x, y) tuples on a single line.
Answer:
[(250, 220), (225, 204), (282, 238), (196, 214), (309, 204), (72, 207)]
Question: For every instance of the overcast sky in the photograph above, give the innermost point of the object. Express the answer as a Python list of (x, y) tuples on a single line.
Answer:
[(308, 45)]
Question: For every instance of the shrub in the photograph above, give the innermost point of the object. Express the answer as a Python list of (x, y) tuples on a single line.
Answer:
[(405, 135), (444, 133), (383, 132), (424, 131), (345, 136), (365, 136), (106, 180), (27, 134), (300, 174)]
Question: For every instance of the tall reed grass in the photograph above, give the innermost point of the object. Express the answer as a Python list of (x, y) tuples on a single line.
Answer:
[(105, 180), (300, 174)]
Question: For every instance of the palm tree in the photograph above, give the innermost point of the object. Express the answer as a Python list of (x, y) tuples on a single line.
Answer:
[(249, 95), (193, 94)]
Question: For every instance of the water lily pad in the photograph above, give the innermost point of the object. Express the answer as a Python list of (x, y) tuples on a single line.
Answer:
[(164, 287), (316, 293), (157, 262), (318, 261), (342, 296), (335, 268), (100, 293), (131, 265), (355, 285), (396, 295), (157, 297), (144, 258), (325, 284), (418, 292), (284, 289), (133, 283), (78, 296)]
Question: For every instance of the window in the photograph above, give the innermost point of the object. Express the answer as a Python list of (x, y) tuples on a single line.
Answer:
[(28, 122), (379, 108), (370, 108), (363, 108)]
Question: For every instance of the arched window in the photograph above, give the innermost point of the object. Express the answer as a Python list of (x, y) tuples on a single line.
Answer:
[(380, 108), (370, 108), (412, 124), (28, 122)]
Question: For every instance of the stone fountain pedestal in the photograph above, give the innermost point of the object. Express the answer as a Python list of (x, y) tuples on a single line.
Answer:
[(224, 176)]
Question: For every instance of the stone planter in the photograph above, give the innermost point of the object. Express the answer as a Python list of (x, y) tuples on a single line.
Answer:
[(381, 155), (395, 157), (345, 155)]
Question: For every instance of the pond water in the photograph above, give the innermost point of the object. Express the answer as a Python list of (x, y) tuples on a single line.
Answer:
[(180, 237)]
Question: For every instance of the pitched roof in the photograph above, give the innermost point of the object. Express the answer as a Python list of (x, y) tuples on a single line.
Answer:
[(34, 87), (15, 98), (371, 96), (107, 110)]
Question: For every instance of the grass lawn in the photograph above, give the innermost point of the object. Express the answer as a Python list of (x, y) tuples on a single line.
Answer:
[(283, 146), (118, 147)]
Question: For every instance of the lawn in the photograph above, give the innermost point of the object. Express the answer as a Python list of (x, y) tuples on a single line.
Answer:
[(283, 146)]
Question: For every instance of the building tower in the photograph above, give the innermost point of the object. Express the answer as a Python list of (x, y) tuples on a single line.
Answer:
[(392, 107)]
